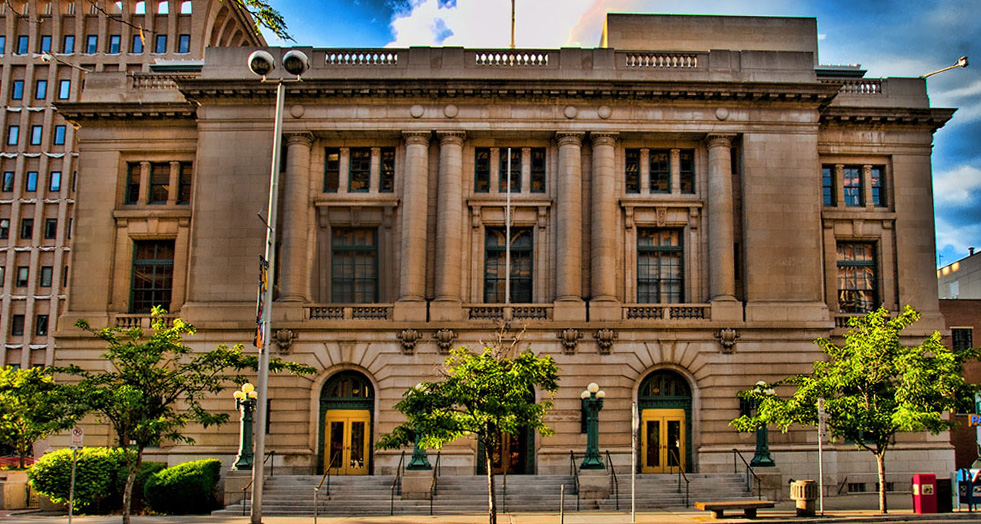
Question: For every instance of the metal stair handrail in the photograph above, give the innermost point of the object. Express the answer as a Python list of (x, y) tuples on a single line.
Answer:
[(574, 473), (614, 483), (433, 486), (245, 490), (326, 476), (681, 474), (397, 482), (750, 474)]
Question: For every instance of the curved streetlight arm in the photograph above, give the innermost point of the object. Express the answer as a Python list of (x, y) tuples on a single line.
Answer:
[(961, 62)]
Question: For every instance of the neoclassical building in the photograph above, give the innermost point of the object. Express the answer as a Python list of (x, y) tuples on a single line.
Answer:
[(47, 51), (692, 203)]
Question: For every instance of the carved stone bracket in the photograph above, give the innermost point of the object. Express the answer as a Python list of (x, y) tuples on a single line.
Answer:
[(570, 340), (284, 339), (604, 338), (444, 340), (408, 338), (727, 337)]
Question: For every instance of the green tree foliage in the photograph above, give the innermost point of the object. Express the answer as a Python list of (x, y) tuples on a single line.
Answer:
[(154, 385), (100, 477), (483, 395), (188, 488), (874, 387), (266, 16), (32, 407)]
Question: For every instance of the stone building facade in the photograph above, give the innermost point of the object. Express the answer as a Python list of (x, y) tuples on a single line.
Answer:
[(691, 206), (47, 49)]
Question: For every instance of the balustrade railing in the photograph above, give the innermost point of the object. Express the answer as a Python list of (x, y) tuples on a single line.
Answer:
[(648, 60), (361, 57), (667, 312), (349, 312)]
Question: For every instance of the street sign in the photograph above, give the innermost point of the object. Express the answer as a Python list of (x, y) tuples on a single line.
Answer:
[(974, 420), (77, 435)]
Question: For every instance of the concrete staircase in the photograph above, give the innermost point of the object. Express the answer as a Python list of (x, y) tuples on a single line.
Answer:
[(292, 495)]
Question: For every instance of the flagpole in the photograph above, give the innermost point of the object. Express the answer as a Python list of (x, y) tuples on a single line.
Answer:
[(507, 238), (512, 37)]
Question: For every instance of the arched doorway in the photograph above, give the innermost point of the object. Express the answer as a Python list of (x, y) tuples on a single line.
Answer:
[(346, 404), (664, 401)]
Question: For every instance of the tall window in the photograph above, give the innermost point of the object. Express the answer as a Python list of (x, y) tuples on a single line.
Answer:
[(13, 135), (31, 181), (481, 170), (68, 44), (332, 169), (184, 44), (45, 279), (41, 325), (495, 263), (502, 174), (22, 45), (160, 44), (132, 183), (159, 182), (857, 281), (8, 181), (59, 136), (36, 133), (54, 183), (114, 44), (17, 92), (17, 325), (660, 266), (64, 89), (687, 171), (50, 228), (26, 228), (387, 176), (852, 186), (92, 44), (4, 228), (41, 89), (3, 44), (359, 170), (354, 266), (23, 274), (631, 167), (137, 47), (538, 170), (828, 184), (878, 186), (660, 171), (184, 191), (45, 46), (153, 275)]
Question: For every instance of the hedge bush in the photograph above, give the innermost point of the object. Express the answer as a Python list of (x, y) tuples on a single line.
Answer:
[(188, 488), (100, 478)]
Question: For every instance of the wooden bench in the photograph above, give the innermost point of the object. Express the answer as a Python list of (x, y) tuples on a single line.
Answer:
[(749, 507)]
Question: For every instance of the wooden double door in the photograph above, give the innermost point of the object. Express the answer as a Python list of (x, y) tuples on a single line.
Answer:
[(662, 437), (347, 442)]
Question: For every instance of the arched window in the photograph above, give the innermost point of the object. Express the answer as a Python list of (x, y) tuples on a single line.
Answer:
[(163, 8), (139, 8), (186, 7)]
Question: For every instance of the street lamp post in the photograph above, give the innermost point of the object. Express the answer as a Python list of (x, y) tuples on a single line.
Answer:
[(592, 401), (245, 401), (262, 63), (762, 458), (420, 460)]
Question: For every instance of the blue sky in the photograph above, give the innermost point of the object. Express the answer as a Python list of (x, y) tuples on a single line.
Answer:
[(887, 37)]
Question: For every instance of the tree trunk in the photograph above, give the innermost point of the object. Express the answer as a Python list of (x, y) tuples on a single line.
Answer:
[(134, 466), (880, 462), (490, 486)]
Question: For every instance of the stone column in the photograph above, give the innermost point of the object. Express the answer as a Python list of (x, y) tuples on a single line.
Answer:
[(603, 218), (568, 229), (449, 227), (415, 193), (174, 183), (722, 284), (294, 279), (675, 169)]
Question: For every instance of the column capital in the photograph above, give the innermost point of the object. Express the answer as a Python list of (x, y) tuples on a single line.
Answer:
[(604, 139), (451, 137), (720, 140), (417, 137), (569, 139), (299, 139)]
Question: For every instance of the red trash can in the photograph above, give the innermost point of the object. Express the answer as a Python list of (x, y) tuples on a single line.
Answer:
[(924, 493)]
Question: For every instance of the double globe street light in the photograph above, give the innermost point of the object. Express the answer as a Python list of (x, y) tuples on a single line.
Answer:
[(262, 63), (245, 401)]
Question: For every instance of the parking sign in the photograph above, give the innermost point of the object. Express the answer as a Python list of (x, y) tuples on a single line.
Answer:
[(76, 437)]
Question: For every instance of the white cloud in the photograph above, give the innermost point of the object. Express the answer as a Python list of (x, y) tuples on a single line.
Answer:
[(957, 187), (957, 237)]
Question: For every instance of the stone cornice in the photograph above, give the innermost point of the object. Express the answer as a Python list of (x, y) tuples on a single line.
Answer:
[(877, 116), (226, 91), (144, 114)]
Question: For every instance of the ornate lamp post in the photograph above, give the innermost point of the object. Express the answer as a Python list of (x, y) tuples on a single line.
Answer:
[(245, 401), (762, 458), (592, 401), (419, 461)]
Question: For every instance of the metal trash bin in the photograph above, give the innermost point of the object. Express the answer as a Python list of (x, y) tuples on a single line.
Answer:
[(805, 493)]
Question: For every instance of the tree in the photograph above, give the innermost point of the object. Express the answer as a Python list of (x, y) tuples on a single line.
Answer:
[(873, 387), (155, 386), (266, 16), (483, 395), (32, 407)]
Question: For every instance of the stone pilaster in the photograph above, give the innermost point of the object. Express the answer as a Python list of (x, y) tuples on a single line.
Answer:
[(568, 230), (603, 216), (415, 190), (449, 227), (294, 274), (722, 284)]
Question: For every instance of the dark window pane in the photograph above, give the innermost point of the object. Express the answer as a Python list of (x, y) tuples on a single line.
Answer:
[(153, 272), (687, 158), (661, 171), (159, 182), (515, 173), (878, 186), (495, 253), (332, 169), (857, 279), (660, 266), (354, 266), (387, 175), (133, 183), (632, 170), (538, 170), (359, 170), (852, 186), (481, 171)]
